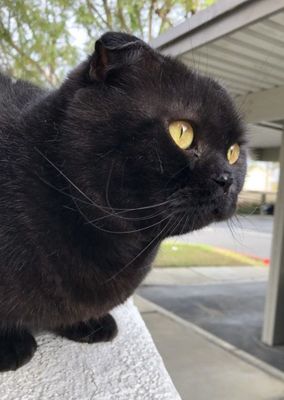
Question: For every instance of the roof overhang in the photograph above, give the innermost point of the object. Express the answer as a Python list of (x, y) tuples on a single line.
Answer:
[(240, 43)]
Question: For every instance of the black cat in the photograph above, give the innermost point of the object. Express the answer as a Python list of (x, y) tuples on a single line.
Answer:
[(132, 148)]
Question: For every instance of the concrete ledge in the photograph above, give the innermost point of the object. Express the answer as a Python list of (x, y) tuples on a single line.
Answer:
[(129, 368)]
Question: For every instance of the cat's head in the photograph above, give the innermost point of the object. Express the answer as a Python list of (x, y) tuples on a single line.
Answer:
[(149, 140)]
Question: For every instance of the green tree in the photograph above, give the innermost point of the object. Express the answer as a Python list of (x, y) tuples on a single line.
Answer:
[(41, 39)]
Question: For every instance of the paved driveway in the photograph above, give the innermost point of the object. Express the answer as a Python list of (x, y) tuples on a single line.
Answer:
[(230, 311), (250, 235)]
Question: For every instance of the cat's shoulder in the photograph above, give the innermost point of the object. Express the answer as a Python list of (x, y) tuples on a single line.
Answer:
[(17, 93)]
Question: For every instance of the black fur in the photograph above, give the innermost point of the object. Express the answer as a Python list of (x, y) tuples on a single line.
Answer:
[(92, 331), (91, 182)]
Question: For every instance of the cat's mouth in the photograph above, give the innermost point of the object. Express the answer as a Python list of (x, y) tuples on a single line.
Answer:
[(203, 213)]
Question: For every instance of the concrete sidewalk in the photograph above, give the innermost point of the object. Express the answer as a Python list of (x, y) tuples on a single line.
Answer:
[(250, 234), (203, 367), (205, 275)]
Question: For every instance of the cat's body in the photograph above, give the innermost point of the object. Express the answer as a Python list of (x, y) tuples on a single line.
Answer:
[(55, 269), (90, 184)]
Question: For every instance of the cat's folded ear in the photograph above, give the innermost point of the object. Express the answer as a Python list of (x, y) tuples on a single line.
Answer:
[(113, 51)]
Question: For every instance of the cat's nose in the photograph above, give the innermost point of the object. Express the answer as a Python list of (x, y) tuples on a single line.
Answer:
[(224, 180)]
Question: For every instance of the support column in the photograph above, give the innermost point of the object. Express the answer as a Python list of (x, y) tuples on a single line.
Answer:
[(273, 329)]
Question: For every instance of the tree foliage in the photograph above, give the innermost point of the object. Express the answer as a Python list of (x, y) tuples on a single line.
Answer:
[(41, 39)]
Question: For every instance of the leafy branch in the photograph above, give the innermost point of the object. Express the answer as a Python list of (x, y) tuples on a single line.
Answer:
[(40, 40)]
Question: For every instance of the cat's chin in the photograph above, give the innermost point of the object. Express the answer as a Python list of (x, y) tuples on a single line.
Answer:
[(201, 219)]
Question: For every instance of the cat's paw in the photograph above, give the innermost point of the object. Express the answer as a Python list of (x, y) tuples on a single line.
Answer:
[(94, 330), (16, 349)]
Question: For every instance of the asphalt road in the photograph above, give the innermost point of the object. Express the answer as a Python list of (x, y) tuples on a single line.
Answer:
[(251, 235)]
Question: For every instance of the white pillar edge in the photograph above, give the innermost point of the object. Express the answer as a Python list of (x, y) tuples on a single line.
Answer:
[(273, 329)]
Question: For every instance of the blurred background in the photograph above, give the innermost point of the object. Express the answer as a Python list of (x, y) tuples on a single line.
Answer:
[(41, 40)]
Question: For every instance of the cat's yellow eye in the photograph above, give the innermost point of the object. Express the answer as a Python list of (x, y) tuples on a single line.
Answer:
[(181, 133), (233, 153)]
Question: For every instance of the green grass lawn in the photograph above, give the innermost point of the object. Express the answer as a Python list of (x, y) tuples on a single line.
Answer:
[(192, 255)]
